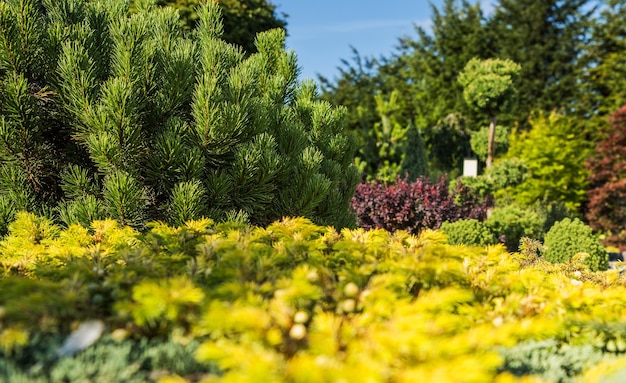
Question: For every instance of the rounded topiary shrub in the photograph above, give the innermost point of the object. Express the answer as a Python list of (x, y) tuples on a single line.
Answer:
[(569, 237), (512, 222), (468, 232)]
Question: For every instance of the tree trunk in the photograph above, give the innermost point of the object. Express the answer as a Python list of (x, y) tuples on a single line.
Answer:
[(491, 143)]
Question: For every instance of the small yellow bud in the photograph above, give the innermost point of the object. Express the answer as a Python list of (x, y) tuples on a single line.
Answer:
[(301, 317), (312, 276), (119, 334), (274, 336), (297, 331), (351, 290), (348, 305)]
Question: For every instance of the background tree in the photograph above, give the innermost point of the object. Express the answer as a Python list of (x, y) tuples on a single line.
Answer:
[(424, 71), (554, 154), (551, 40), (415, 160), (603, 69), (105, 113), (400, 149), (488, 87), (242, 19), (606, 210), (547, 38)]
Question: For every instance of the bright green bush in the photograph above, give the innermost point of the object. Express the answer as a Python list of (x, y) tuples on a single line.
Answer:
[(469, 232), (511, 222), (290, 302), (554, 151), (570, 237)]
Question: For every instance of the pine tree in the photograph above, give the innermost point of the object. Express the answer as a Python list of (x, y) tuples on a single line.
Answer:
[(414, 163), (242, 19), (107, 113)]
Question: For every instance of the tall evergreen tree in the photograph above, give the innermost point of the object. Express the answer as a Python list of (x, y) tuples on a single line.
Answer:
[(547, 38), (603, 66), (105, 113)]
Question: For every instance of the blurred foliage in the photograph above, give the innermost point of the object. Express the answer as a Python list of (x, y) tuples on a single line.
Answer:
[(295, 302), (551, 360), (607, 190), (569, 53), (415, 205), (488, 85), (480, 139), (399, 150), (511, 222), (555, 156), (470, 232)]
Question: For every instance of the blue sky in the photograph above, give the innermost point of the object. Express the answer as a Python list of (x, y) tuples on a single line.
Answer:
[(322, 31)]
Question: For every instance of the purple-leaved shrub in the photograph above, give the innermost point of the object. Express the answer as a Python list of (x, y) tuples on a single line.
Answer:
[(414, 206)]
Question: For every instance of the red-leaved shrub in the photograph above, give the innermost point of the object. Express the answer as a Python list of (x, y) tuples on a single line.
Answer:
[(606, 210), (414, 206)]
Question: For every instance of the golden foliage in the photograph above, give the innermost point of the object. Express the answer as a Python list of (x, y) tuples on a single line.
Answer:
[(295, 302)]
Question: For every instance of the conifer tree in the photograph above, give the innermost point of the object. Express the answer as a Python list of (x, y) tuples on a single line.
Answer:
[(424, 70), (603, 68), (547, 38), (107, 113), (399, 150)]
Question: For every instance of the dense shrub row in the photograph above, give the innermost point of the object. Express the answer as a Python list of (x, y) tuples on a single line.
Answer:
[(295, 302)]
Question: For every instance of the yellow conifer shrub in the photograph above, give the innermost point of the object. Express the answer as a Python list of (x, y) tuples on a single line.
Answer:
[(296, 302)]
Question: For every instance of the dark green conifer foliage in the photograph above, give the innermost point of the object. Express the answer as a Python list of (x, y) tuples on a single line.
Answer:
[(107, 113), (603, 67), (547, 39), (415, 160)]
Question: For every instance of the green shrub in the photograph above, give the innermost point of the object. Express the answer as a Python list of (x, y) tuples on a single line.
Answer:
[(468, 232), (570, 237), (512, 222)]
